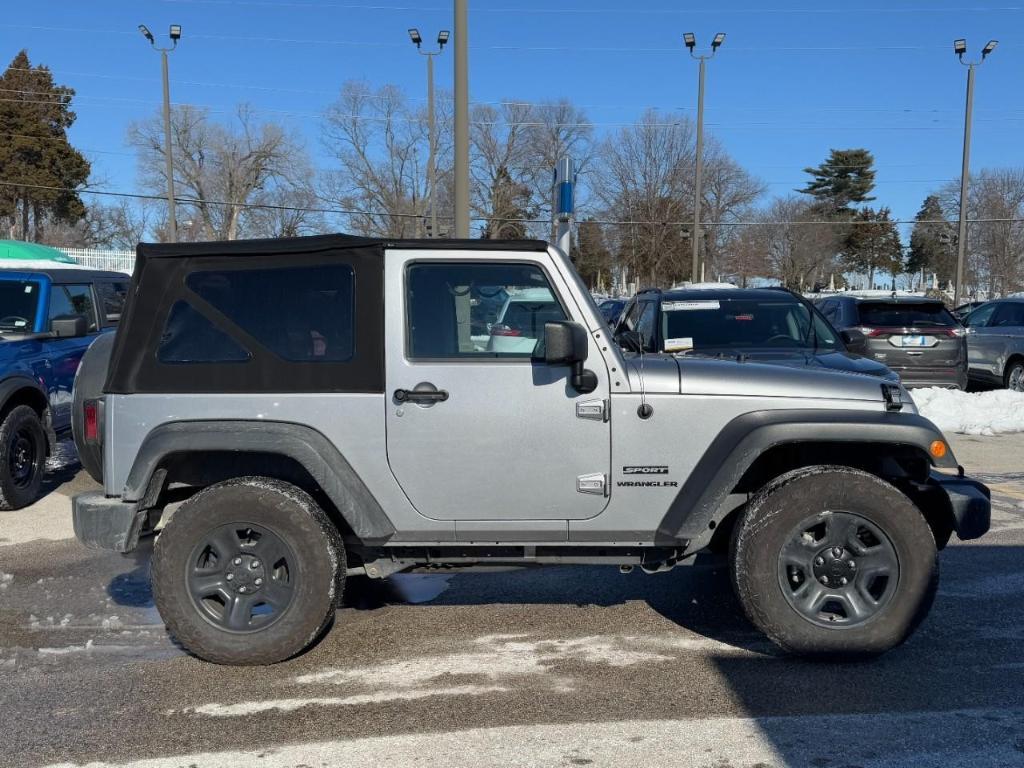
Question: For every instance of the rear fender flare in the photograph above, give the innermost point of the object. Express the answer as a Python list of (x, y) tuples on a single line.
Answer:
[(320, 458)]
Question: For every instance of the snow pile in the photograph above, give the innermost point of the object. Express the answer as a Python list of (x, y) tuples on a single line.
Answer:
[(972, 413)]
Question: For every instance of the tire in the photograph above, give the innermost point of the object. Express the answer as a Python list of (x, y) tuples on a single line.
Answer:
[(257, 536), (1014, 377), (22, 457), (779, 562)]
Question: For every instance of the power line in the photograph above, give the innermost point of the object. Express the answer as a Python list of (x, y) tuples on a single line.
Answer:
[(612, 222)]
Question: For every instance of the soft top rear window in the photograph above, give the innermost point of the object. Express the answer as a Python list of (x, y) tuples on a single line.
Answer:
[(896, 315)]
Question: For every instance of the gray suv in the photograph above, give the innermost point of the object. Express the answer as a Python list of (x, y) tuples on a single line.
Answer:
[(334, 406), (995, 343), (916, 337)]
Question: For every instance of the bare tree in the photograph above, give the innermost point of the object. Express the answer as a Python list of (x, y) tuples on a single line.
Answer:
[(502, 168), (797, 251), (219, 169), (728, 191)]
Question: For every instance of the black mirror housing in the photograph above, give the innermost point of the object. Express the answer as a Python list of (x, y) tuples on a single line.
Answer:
[(69, 326), (853, 338), (565, 343)]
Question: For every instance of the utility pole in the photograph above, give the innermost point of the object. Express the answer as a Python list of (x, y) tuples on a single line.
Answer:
[(697, 268), (960, 48), (175, 35), (461, 118), (442, 38), (565, 181)]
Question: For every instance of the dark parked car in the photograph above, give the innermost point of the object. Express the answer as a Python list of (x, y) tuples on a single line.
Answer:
[(916, 337), (48, 318), (995, 343), (965, 309), (765, 325), (611, 310)]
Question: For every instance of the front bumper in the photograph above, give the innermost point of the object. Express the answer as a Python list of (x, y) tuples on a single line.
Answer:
[(104, 522), (969, 503)]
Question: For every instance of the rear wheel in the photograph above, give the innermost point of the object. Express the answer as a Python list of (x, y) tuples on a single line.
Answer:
[(833, 561), (248, 571), (22, 457), (1014, 378)]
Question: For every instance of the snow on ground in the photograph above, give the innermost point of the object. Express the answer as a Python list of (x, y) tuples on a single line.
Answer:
[(972, 413)]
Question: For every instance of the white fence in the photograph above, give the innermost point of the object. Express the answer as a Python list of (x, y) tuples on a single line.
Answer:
[(118, 261)]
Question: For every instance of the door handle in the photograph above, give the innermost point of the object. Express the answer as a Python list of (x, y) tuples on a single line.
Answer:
[(420, 396)]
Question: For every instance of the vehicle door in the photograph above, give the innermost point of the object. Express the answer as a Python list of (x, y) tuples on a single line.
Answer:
[(506, 436), (65, 354), (982, 340), (1006, 333)]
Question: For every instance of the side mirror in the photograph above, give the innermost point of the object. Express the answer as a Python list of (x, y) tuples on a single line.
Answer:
[(69, 326), (631, 341), (854, 339), (565, 343)]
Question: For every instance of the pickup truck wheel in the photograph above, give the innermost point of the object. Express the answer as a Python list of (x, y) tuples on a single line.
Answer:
[(22, 457), (831, 561), (248, 571)]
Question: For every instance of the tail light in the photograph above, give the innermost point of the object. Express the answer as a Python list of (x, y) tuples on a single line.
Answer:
[(499, 329), (956, 333), (874, 333), (91, 421)]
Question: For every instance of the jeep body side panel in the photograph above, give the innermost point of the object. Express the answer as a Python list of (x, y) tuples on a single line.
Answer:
[(747, 436), (351, 425)]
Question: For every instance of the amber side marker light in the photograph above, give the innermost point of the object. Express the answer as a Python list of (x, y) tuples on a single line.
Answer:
[(937, 449)]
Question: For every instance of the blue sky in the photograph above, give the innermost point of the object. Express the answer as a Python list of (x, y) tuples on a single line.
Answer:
[(794, 78)]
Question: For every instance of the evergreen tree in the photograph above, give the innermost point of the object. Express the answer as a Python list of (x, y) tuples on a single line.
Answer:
[(873, 244), (592, 257), (39, 168), (932, 246), (846, 177), (510, 206)]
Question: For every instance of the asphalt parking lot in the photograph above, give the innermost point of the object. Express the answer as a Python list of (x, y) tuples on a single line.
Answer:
[(563, 666)]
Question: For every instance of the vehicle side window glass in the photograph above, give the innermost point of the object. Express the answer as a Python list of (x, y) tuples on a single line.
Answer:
[(73, 300), (112, 297), (828, 309), (476, 310), (631, 316), (1010, 314), (20, 302), (189, 337), (980, 317), (645, 325), (301, 314)]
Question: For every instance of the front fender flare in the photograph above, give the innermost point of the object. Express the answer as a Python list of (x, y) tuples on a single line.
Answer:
[(701, 500), (325, 464)]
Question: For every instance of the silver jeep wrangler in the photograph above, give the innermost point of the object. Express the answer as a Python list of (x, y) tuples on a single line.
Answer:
[(287, 414)]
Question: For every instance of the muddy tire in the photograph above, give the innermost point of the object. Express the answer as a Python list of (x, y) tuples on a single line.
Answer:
[(834, 562), (248, 571), (22, 457)]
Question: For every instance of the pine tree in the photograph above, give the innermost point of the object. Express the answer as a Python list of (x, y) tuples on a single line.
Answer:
[(932, 246), (873, 244), (39, 169), (846, 177)]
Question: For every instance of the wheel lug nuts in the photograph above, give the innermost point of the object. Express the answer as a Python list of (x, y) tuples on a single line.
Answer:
[(853, 564), (230, 577), (254, 564), (241, 589), (819, 561), (237, 561), (837, 551), (824, 580), (843, 580), (257, 582)]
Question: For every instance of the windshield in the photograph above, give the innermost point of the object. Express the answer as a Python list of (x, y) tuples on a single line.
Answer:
[(18, 302), (896, 315), (739, 323)]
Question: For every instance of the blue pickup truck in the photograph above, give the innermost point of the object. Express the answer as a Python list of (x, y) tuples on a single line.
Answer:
[(48, 318)]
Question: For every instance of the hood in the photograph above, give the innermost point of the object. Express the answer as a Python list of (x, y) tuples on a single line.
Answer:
[(805, 358), (692, 375)]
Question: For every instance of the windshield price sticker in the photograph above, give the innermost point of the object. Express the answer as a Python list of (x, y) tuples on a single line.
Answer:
[(688, 306), (678, 345)]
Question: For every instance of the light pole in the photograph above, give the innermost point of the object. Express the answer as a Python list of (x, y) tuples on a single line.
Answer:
[(960, 48), (461, 118), (691, 43), (175, 35), (442, 38)]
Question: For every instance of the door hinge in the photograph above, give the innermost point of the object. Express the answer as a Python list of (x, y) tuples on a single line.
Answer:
[(596, 484), (596, 410)]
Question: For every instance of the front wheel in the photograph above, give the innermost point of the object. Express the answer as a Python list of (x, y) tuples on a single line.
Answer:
[(1015, 376), (22, 457), (831, 561), (248, 571)]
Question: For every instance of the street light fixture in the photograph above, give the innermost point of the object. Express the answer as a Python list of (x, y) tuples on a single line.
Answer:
[(442, 38), (690, 41), (960, 48), (175, 35)]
